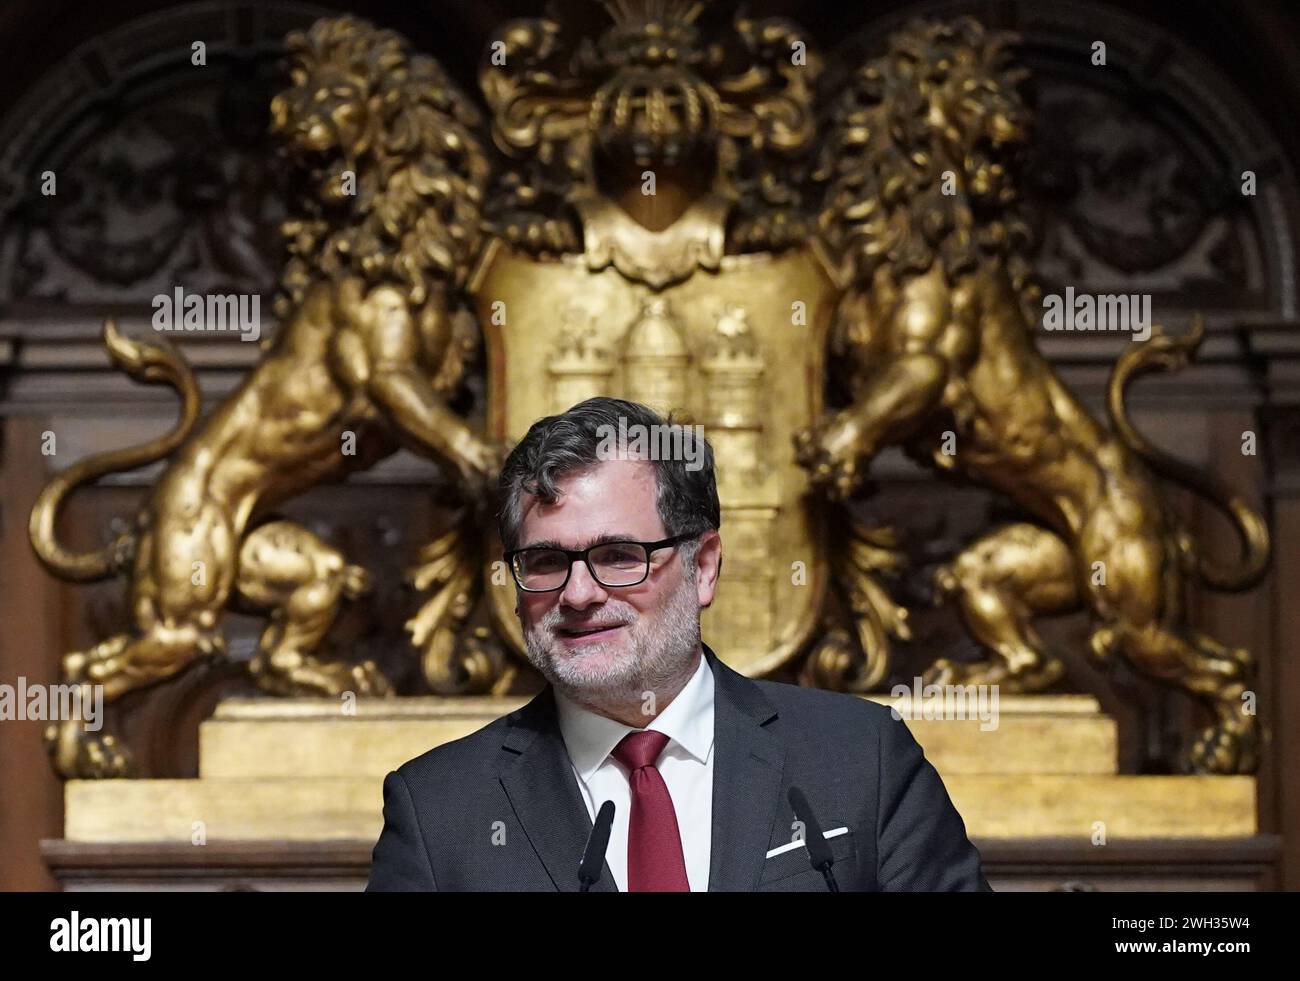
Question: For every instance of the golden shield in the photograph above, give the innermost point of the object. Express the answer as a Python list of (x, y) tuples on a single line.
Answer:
[(737, 350)]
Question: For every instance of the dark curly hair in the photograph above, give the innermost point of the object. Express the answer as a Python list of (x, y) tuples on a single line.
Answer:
[(569, 442)]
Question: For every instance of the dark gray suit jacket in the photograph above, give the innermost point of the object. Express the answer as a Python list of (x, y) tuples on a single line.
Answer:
[(501, 809)]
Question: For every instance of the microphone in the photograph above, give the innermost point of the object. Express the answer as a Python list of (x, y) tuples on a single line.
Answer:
[(593, 858), (819, 852)]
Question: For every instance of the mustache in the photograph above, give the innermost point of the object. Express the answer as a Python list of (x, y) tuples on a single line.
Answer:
[(558, 620)]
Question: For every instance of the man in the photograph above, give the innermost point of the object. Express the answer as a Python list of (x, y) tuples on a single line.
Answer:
[(613, 560)]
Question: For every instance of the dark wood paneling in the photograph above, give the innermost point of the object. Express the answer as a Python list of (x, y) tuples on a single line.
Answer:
[(32, 607)]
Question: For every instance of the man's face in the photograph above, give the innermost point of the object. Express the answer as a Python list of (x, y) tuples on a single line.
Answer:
[(601, 641)]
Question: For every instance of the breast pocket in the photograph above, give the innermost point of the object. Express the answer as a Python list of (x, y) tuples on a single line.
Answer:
[(790, 870)]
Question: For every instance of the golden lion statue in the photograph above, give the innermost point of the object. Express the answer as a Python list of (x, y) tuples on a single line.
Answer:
[(373, 340), (934, 336)]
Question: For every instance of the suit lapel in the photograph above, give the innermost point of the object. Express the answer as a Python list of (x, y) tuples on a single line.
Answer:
[(538, 778), (749, 761)]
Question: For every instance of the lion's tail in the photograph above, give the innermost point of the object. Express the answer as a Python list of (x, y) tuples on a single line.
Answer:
[(1161, 352), (148, 363)]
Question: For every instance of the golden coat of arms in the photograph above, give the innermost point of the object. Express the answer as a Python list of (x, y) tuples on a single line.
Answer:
[(716, 347), (682, 221)]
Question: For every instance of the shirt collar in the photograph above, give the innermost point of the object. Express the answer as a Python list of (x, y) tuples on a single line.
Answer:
[(687, 721)]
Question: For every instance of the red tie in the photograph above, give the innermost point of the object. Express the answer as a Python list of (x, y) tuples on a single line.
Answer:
[(654, 846)]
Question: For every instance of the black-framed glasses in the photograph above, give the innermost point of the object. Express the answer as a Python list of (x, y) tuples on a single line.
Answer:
[(543, 569)]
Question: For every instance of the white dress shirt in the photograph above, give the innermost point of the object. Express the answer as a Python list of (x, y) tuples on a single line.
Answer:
[(686, 765)]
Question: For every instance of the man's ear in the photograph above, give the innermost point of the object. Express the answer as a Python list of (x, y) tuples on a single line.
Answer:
[(708, 566)]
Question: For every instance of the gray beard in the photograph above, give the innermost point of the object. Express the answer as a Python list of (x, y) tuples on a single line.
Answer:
[(659, 662)]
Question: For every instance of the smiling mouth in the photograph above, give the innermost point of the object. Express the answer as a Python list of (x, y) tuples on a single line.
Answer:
[(582, 634)]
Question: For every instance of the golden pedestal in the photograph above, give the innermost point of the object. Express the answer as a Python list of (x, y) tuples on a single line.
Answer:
[(302, 771)]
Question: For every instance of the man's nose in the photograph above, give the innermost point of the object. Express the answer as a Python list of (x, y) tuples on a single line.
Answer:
[(582, 590)]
